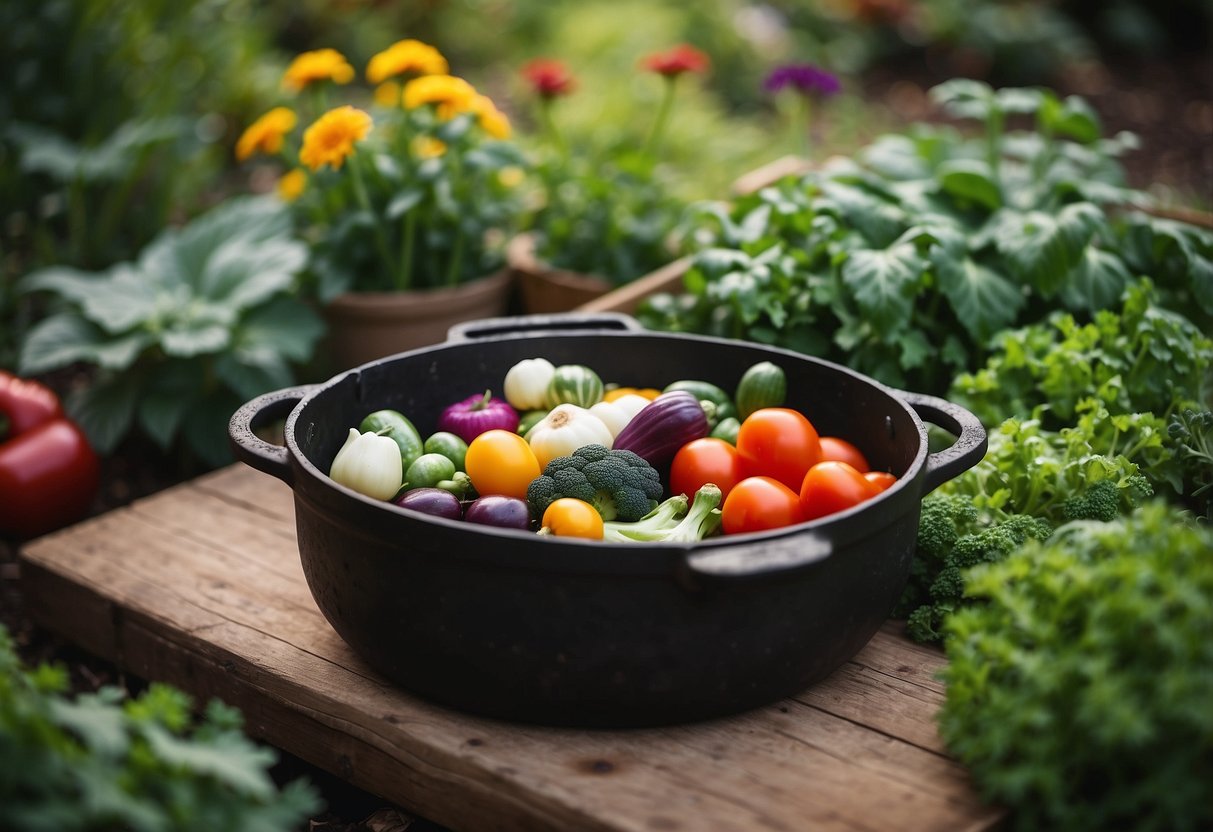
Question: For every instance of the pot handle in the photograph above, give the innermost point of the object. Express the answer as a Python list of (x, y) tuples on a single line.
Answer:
[(756, 559), (525, 324), (968, 449), (250, 448)]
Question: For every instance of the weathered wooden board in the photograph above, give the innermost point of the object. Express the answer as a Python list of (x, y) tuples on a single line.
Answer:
[(200, 586)]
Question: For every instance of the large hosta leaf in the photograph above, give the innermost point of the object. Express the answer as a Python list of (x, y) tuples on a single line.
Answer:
[(883, 282), (1041, 248), (66, 338), (983, 300), (116, 301), (1096, 282)]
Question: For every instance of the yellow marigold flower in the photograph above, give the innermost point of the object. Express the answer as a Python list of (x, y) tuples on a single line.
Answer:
[(427, 147), (291, 185), (266, 133), (511, 177), (331, 137), (387, 94), (451, 95), (492, 120), (405, 56), (318, 65)]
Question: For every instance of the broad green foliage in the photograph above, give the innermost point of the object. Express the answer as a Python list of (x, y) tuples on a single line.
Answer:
[(1079, 691), (104, 761), (201, 322), (1191, 436), (934, 242)]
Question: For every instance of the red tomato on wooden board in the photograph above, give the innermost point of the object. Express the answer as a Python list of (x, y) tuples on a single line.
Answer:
[(702, 461), (759, 503), (840, 450), (780, 443), (831, 487)]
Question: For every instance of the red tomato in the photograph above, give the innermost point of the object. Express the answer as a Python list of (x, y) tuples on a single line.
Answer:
[(881, 479), (701, 461), (759, 503), (840, 450), (833, 486), (778, 442)]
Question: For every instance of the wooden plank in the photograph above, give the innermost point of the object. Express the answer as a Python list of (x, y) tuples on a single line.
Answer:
[(200, 586)]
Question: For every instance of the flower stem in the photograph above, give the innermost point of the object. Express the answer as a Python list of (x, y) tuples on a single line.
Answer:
[(653, 142), (404, 278), (365, 203), (456, 265), (549, 127), (805, 122)]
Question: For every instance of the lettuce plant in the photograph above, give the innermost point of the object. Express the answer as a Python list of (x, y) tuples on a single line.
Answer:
[(204, 320)]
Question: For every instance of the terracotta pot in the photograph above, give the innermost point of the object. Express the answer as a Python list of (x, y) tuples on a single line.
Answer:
[(545, 289), (364, 326)]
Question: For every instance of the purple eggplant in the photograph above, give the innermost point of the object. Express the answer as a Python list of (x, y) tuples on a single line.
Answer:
[(432, 501), (663, 426), (499, 510)]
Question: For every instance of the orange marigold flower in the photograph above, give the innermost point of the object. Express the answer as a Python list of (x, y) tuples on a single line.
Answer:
[(549, 78), (330, 139), (492, 120), (451, 95), (291, 184), (405, 56), (266, 134), (674, 62), (319, 65)]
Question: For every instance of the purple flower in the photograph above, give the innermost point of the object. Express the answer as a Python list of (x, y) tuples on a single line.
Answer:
[(807, 79)]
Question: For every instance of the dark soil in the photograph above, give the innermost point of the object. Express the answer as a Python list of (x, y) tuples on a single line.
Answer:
[(1168, 104)]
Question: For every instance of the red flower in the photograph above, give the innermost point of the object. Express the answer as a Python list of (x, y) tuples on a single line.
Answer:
[(674, 62), (549, 78)]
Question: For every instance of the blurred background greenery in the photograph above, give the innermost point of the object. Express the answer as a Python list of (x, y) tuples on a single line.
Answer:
[(118, 118)]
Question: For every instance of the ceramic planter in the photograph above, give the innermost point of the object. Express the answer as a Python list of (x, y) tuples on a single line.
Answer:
[(545, 289)]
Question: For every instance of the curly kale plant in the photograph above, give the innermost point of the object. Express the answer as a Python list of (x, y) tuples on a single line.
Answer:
[(903, 262), (1191, 435), (203, 321), (1079, 690), (102, 761)]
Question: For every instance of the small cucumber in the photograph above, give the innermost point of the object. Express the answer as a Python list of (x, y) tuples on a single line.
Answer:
[(574, 384), (449, 445), (726, 429), (428, 470), (396, 426), (763, 385), (706, 391)]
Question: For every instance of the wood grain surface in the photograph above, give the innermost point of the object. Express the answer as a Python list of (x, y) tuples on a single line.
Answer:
[(200, 586)]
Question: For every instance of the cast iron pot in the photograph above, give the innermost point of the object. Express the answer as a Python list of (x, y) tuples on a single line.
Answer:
[(572, 632)]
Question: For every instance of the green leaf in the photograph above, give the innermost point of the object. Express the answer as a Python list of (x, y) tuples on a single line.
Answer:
[(983, 300), (286, 326), (251, 374), (1096, 282), (1042, 248), (1074, 118), (205, 428), (93, 718), (965, 98), (244, 273), (972, 180), (883, 283), (105, 410), (168, 398), (228, 758), (66, 338), (403, 202), (189, 338), (117, 300)]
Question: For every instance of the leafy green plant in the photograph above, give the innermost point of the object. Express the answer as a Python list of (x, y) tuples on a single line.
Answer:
[(1078, 692), (103, 760), (423, 193), (1191, 436), (202, 321), (608, 210), (905, 262)]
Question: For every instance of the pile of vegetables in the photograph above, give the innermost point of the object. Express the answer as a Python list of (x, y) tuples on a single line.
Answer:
[(564, 454)]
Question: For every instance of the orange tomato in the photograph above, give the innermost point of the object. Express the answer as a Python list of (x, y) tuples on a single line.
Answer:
[(759, 503), (501, 462), (702, 461), (881, 479), (840, 450), (778, 442), (570, 517), (831, 487)]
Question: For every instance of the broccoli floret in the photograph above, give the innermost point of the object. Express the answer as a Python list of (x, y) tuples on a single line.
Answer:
[(949, 584), (1099, 502), (925, 624), (995, 543), (671, 521), (618, 484), (939, 524)]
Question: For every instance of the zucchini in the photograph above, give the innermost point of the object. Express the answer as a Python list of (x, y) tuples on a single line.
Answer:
[(574, 384), (763, 385), (706, 391)]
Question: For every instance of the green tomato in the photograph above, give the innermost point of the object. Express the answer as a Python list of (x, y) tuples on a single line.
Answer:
[(428, 470), (450, 446)]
